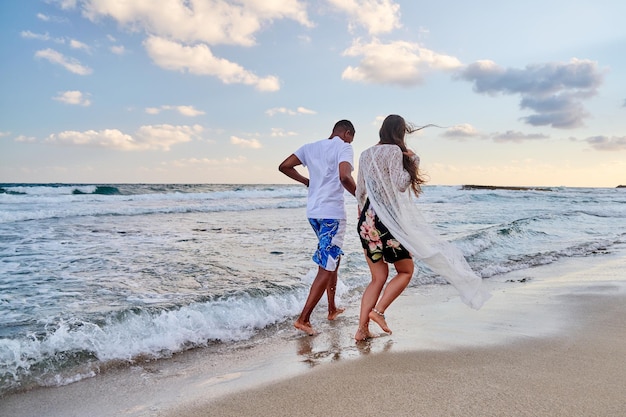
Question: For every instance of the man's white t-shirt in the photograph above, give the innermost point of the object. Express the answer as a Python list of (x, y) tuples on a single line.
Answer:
[(326, 194)]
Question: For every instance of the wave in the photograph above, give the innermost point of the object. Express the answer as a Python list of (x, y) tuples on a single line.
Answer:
[(528, 242), (70, 348), (129, 189), (527, 261), (47, 189), (487, 268), (46, 202), (102, 190)]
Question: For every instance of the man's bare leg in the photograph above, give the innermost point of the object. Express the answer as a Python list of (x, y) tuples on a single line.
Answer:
[(320, 283), (305, 327), (331, 289)]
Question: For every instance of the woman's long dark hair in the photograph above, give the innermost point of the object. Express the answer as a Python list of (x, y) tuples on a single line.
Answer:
[(393, 131)]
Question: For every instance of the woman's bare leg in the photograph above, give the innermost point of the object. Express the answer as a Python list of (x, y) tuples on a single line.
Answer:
[(396, 286), (380, 272)]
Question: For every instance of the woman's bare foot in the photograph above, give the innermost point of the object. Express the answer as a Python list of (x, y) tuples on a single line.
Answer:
[(333, 315), (362, 334), (379, 318), (305, 327)]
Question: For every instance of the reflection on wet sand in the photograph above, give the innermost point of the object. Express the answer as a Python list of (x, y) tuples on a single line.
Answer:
[(335, 343)]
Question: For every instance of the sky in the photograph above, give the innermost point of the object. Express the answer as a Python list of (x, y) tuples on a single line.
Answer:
[(528, 93)]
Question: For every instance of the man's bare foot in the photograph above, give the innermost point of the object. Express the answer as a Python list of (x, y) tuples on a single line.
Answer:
[(362, 334), (334, 314), (379, 318), (305, 327)]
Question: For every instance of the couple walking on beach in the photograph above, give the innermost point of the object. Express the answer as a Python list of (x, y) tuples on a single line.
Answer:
[(391, 227)]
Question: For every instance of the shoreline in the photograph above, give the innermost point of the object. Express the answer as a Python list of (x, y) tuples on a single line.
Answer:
[(553, 347), (578, 374), (544, 330)]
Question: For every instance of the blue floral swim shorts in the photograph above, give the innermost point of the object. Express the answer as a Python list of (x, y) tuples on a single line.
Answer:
[(330, 233), (377, 240)]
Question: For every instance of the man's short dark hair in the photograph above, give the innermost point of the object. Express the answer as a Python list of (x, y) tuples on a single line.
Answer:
[(344, 125)]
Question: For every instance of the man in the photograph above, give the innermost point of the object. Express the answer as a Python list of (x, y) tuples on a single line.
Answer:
[(330, 164)]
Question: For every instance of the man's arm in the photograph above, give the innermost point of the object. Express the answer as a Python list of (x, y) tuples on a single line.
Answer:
[(287, 167), (345, 176)]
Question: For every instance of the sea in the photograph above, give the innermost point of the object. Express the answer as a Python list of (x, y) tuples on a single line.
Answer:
[(94, 276)]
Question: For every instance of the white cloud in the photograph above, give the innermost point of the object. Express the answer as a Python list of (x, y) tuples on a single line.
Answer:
[(283, 110), (158, 137), (27, 34), (189, 111), (25, 139), (209, 21), (73, 97), (118, 49), (280, 110), (554, 91), (184, 110), (74, 44), (107, 138), (378, 121), (245, 143), (376, 16), (53, 19), (398, 62), (4, 134), (280, 133), (70, 64), (200, 60), (462, 132), (304, 110), (164, 136), (190, 26), (66, 4)]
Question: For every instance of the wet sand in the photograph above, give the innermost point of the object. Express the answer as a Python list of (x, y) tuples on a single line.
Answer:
[(550, 342)]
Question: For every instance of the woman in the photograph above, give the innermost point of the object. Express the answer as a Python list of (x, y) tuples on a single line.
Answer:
[(392, 229)]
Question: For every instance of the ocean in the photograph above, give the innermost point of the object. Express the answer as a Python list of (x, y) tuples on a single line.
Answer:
[(94, 276)]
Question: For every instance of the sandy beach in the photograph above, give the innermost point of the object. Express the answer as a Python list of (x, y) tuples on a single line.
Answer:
[(550, 342)]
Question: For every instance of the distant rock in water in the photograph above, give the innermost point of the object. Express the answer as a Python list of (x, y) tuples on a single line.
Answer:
[(498, 187), (621, 186)]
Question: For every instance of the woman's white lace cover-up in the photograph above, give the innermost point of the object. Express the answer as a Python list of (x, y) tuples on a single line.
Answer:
[(383, 179)]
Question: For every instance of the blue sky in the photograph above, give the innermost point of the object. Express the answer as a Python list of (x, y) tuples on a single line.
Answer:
[(204, 91)]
